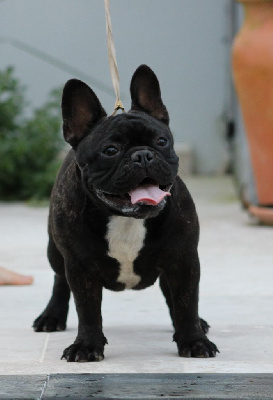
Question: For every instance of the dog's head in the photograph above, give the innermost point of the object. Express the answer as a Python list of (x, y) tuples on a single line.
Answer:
[(127, 162)]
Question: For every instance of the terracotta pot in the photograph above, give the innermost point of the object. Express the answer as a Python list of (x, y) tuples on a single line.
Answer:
[(252, 64)]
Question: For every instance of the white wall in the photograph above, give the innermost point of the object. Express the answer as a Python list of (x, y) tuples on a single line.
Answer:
[(184, 41)]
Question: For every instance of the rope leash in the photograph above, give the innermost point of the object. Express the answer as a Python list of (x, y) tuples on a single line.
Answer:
[(112, 58)]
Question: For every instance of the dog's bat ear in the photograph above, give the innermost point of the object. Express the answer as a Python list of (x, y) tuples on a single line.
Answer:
[(146, 94), (81, 110)]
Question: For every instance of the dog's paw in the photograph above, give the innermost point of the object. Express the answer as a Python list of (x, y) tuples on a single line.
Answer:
[(49, 323), (79, 352), (204, 325), (199, 348)]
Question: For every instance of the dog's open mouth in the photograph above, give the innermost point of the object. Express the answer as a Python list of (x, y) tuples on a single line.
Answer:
[(148, 193)]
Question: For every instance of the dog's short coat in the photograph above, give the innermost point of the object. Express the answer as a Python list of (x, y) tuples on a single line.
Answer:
[(120, 217)]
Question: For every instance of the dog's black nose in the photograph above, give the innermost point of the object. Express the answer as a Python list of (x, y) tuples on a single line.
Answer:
[(142, 157)]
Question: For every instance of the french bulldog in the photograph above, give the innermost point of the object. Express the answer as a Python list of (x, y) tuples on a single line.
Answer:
[(120, 217)]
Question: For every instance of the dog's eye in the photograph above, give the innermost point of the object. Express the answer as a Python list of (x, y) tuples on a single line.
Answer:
[(161, 141), (110, 151)]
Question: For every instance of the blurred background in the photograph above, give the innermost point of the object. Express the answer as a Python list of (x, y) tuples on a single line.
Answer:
[(187, 43), (190, 46)]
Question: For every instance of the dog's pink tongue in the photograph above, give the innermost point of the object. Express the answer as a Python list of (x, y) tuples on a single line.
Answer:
[(149, 194)]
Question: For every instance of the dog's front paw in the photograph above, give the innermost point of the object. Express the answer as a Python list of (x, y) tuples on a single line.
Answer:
[(198, 347), (78, 352), (50, 323), (201, 348)]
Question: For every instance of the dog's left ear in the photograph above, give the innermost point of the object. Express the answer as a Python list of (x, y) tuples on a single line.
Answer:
[(81, 110), (146, 94)]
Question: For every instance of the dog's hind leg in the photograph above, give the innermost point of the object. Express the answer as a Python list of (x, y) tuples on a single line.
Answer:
[(53, 318), (204, 325), (167, 293)]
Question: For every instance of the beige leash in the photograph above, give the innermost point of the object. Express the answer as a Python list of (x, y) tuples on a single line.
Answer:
[(112, 58)]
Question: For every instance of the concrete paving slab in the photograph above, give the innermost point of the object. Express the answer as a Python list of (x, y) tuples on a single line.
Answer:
[(236, 298), (23, 387)]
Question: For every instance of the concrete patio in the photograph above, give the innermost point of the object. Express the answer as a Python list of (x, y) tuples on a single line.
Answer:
[(236, 298)]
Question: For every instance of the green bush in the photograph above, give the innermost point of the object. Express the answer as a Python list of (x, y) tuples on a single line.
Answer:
[(29, 147)]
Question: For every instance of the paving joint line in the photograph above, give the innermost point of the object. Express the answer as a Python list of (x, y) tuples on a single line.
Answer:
[(44, 387), (42, 356)]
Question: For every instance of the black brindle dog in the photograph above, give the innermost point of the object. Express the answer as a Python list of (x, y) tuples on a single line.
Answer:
[(120, 217)]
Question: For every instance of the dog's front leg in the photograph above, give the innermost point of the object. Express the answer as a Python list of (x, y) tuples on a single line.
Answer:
[(183, 281), (87, 291)]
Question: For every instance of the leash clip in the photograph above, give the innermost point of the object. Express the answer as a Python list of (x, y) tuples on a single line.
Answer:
[(118, 106)]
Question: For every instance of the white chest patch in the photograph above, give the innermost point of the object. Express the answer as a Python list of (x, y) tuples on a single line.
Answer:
[(125, 238)]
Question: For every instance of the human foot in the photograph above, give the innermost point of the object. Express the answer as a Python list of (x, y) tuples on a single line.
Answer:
[(8, 277)]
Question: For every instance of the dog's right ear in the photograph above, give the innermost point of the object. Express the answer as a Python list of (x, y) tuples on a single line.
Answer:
[(81, 110)]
